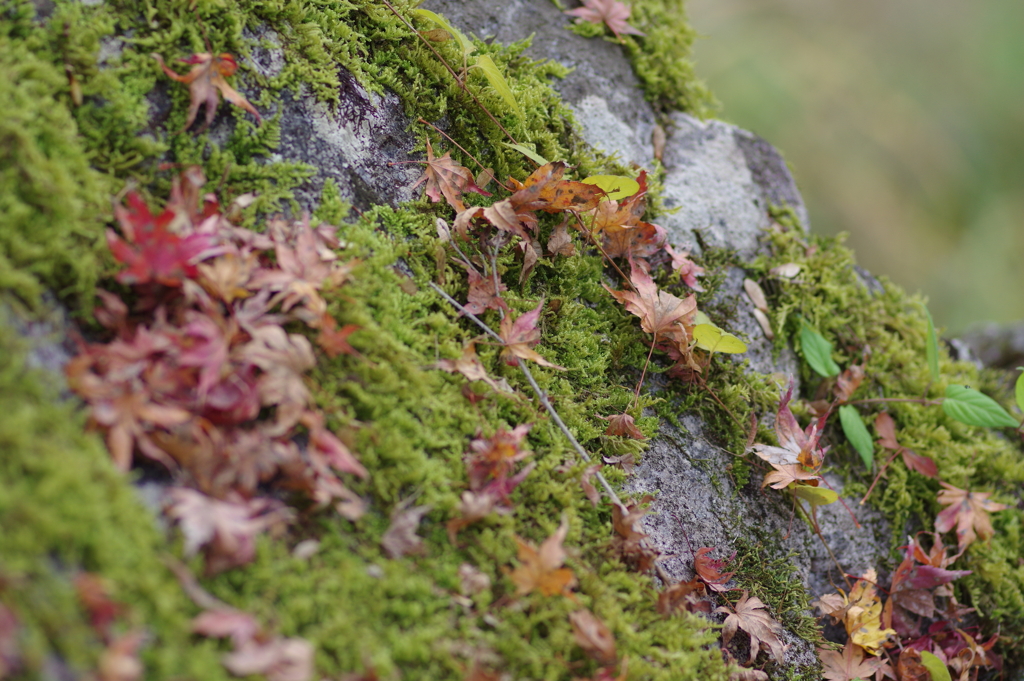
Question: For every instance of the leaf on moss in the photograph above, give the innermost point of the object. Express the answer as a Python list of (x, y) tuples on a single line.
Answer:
[(968, 512), (541, 570), (850, 665), (593, 636), (750, 616), (612, 13), (205, 81)]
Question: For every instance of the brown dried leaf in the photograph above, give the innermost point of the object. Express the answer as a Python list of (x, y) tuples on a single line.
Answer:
[(205, 81), (850, 665), (400, 539), (968, 512), (593, 636), (751, 617)]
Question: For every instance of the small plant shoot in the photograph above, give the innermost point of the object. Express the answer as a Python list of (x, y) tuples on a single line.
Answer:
[(817, 351), (857, 433)]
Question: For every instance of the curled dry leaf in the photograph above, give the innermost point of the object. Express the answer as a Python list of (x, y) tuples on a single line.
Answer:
[(205, 83), (710, 570), (541, 569), (446, 178), (470, 366), (593, 636), (798, 456), (593, 495), (660, 312), (688, 596), (886, 429), (472, 581), (400, 539), (848, 382), (630, 543), (687, 269)]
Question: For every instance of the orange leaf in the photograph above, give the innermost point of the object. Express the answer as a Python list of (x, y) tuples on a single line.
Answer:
[(204, 82), (541, 570)]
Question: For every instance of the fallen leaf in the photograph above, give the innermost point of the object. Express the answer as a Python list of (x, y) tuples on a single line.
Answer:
[(968, 512), (593, 636), (612, 13), (279, 659), (630, 543), (334, 341), (560, 243), (520, 336), (472, 581), (400, 539), (226, 529), (848, 666), (751, 617), (848, 382), (622, 425), (541, 570), (470, 366), (798, 456), (446, 178), (886, 429), (864, 616), (483, 295), (591, 492), (756, 294), (688, 596), (204, 82), (710, 570), (120, 661), (95, 597), (659, 311)]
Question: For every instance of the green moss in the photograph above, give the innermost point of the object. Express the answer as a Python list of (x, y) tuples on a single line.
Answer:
[(64, 509), (888, 329)]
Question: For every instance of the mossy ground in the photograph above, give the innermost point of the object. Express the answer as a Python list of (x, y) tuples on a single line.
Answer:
[(408, 422)]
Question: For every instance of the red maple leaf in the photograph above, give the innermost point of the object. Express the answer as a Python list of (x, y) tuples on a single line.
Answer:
[(444, 177), (150, 249), (205, 81), (520, 336), (612, 13), (660, 312), (710, 570)]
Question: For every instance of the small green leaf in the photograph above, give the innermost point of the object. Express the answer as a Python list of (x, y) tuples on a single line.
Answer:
[(497, 81), (932, 348), (815, 496), (616, 187), (857, 433), (528, 153), (936, 667), (817, 351), (467, 45), (969, 406), (1019, 389)]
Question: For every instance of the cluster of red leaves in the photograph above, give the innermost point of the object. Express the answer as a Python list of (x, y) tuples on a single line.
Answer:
[(920, 616), (799, 456), (201, 375)]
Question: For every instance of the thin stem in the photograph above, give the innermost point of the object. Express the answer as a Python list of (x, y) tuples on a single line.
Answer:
[(914, 400), (855, 521), (541, 396), (879, 476), (455, 75), (643, 374)]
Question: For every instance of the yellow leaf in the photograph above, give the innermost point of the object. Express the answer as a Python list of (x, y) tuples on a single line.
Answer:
[(815, 496), (616, 187), (713, 339)]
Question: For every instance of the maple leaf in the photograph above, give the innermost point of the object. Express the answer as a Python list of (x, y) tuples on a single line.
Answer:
[(593, 636), (622, 425), (848, 666), (848, 382), (914, 586), (473, 507), (483, 295), (446, 178), (150, 249), (541, 570), (470, 366), (334, 341), (750, 616), (630, 543), (227, 529), (491, 461), (968, 512), (520, 336), (659, 311), (710, 570), (886, 429), (205, 81), (560, 243), (612, 13), (400, 539), (798, 457)]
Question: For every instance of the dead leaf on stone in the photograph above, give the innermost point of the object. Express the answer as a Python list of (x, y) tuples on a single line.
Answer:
[(750, 616), (756, 294)]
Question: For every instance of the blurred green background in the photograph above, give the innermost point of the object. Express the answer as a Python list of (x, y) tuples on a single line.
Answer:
[(903, 122)]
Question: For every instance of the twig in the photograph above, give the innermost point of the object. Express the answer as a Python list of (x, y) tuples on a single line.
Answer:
[(450, 70), (915, 400), (541, 396)]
